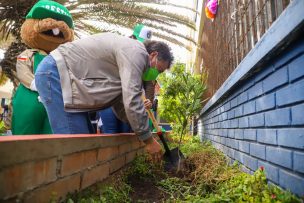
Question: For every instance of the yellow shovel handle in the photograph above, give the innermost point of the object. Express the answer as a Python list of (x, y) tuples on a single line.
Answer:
[(152, 117)]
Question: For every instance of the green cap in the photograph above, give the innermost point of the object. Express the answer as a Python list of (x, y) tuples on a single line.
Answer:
[(50, 9), (142, 33)]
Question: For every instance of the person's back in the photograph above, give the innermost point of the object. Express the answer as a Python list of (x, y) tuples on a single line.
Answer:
[(97, 50), (95, 66)]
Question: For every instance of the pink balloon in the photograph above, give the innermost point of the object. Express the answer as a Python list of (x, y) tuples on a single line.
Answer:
[(212, 6)]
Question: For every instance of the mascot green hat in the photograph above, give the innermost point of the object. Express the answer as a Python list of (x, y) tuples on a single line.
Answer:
[(142, 33), (51, 9)]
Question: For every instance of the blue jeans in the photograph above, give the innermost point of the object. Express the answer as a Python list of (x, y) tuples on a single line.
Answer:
[(111, 124), (47, 81)]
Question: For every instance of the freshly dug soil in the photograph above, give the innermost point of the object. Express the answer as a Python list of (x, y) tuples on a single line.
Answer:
[(145, 190)]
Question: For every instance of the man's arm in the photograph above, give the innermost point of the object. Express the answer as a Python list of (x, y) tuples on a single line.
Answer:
[(131, 66), (131, 63)]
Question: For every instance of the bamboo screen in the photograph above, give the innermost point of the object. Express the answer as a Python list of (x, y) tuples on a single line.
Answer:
[(238, 26)]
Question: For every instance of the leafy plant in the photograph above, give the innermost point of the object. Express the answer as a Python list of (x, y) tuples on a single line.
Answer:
[(180, 97), (2, 128), (250, 188), (190, 144)]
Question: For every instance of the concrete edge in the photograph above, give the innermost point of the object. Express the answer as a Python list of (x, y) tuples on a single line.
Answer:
[(57, 136)]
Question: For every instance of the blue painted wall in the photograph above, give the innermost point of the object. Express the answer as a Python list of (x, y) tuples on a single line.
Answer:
[(260, 122)]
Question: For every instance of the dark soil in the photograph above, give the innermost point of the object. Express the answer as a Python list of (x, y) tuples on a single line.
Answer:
[(145, 190)]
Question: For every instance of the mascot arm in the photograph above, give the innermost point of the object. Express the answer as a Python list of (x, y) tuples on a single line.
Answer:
[(24, 67)]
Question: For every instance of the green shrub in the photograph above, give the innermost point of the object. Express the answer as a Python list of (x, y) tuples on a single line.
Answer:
[(180, 97), (250, 188), (2, 128)]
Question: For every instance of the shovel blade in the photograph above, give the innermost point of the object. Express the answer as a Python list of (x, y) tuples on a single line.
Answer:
[(173, 158)]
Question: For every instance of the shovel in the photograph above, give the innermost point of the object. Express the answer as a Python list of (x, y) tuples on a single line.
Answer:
[(172, 157)]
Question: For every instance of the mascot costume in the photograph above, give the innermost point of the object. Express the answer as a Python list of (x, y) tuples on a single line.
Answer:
[(47, 25)]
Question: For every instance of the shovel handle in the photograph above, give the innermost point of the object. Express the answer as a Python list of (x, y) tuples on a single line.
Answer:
[(152, 117), (158, 129), (154, 121)]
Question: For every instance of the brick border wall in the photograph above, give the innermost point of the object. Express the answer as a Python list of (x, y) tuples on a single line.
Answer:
[(33, 168), (260, 121)]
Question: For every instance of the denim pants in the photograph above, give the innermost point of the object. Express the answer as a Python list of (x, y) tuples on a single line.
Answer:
[(47, 81), (111, 124)]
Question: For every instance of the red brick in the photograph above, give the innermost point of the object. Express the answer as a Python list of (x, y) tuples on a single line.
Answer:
[(136, 144), (130, 156), (141, 151), (78, 161), (106, 154), (12, 200), (23, 177), (56, 190), (142, 144), (95, 174), (124, 148), (117, 163)]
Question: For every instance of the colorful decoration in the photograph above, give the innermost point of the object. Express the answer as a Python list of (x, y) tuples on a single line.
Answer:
[(211, 9)]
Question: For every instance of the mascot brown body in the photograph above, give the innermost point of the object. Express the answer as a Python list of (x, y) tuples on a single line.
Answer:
[(47, 25)]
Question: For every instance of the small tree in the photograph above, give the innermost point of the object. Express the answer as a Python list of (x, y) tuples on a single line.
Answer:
[(180, 97)]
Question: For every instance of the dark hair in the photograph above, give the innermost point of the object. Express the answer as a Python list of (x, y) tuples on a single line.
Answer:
[(133, 37), (164, 51)]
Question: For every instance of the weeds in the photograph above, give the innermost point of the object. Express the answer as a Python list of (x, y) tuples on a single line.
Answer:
[(208, 167), (119, 189), (177, 188), (143, 169), (111, 191)]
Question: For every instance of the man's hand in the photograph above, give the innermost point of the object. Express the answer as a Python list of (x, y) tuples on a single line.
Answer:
[(154, 149), (147, 104)]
